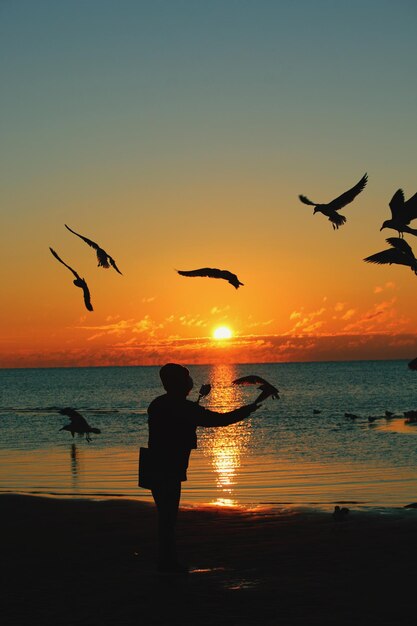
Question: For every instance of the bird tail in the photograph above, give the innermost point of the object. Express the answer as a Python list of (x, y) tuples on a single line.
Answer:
[(97, 431), (337, 220)]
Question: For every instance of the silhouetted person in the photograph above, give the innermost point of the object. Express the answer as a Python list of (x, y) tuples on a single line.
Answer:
[(331, 209), (400, 253), (212, 272), (104, 259), (78, 282), (402, 212), (173, 421)]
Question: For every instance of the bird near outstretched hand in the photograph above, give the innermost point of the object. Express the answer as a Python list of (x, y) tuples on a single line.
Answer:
[(266, 388), (402, 212), (212, 272), (204, 391), (400, 253), (78, 282), (78, 424), (331, 209), (104, 259)]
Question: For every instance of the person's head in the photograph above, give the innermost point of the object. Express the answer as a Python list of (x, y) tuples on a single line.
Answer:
[(176, 379)]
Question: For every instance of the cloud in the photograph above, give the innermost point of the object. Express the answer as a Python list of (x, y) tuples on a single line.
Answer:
[(304, 323), (388, 285), (141, 350)]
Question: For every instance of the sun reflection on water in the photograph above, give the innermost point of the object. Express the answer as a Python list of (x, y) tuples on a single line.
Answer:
[(226, 445)]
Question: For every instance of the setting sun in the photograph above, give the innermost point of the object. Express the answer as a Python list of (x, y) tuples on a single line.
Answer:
[(222, 332)]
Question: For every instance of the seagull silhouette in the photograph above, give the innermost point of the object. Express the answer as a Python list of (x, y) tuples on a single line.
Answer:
[(212, 272), (104, 259), (403, 212), (78, 424), (413, 364), (204, 391), (400, 253), (78, 282), (331, 209), (266, 388)]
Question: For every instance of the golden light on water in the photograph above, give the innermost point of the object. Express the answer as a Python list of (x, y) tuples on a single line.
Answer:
[(226, 445), (222, 332)]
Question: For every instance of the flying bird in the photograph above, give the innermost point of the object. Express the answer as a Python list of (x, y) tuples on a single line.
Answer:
[(212, 272), (78, 424), (78, 282), (266, 388), (104, 259), (331, 209), (403, 212), (204, 391), (413, 364), (400, 253)]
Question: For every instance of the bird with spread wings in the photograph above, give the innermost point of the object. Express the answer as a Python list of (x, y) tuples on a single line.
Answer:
[(212, 272), (266, 388), (78, 282), (78, 424), (402, 212), (104, 259), (331, 209), (400, 253)]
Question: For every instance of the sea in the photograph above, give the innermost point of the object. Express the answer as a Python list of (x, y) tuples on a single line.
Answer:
[(299, 450)]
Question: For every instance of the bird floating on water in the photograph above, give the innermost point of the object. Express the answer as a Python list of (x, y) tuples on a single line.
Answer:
[(104, 259), (340, 513), (413, 364), (212, 272), (78, 424), (352, 416), (403, 212), (266, 388), (78, 282), (400, 253), (331, 209)]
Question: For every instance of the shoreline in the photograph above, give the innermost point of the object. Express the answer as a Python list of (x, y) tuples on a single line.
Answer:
[(93, 562)]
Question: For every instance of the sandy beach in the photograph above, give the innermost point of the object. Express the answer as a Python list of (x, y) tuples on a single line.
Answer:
[(92, 562)]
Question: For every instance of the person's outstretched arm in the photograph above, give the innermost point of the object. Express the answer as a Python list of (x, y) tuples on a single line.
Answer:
[(204, 417)]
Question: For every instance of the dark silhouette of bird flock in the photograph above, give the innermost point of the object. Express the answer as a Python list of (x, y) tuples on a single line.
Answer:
[(400, 253), (103, 258)]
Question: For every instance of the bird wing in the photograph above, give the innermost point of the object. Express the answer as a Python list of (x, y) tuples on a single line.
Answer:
[(87, 296), (63, 263), (113, 264), (250, 380), (210, 272), (410, 208), (350, 195), (397, 205), (89, 241), (307, 201), (388, 257), (75, 418), (400, 244), (266, 392)]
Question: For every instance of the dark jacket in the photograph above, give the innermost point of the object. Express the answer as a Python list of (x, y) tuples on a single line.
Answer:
[(172, 425)]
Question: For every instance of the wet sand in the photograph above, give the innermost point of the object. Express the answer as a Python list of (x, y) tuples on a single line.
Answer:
[(80, 562)]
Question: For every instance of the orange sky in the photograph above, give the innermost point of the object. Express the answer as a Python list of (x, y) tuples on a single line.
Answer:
[(178, 144)]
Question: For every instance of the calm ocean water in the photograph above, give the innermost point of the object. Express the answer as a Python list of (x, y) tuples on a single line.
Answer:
[(283, 454)]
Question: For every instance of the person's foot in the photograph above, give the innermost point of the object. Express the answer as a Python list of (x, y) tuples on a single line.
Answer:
[(172, 567)]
